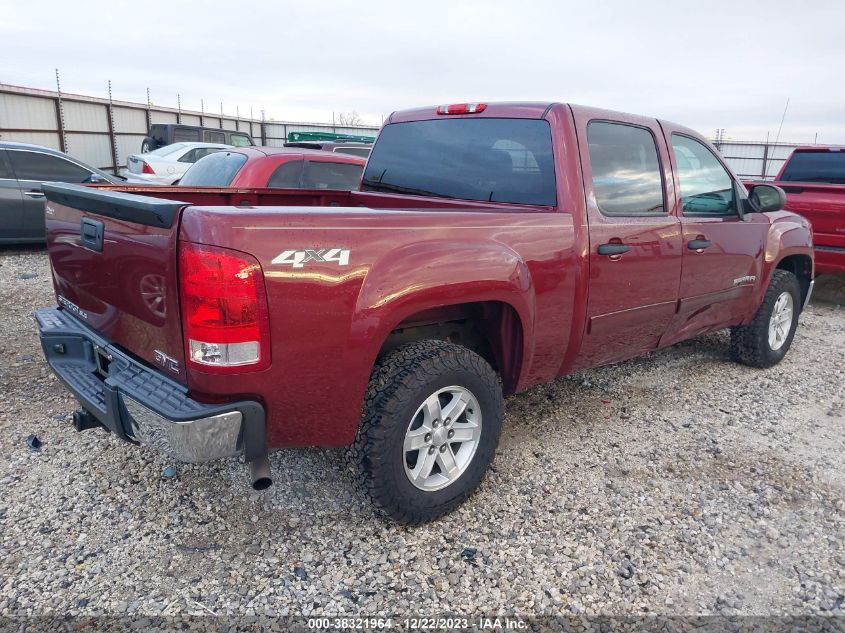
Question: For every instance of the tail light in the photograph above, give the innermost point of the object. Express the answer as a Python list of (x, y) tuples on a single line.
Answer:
[(462, 108), (146, 169), (224, 309)]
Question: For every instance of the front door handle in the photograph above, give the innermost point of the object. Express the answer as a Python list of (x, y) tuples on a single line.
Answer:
[(613, 249), (34, 194), (698, 244)]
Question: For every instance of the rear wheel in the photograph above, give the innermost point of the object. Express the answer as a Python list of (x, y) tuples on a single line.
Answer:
[(431, 424), (765, 341), (147, 145)]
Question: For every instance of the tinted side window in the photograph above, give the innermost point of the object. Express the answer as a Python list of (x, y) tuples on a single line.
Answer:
[(46, 167), (215, 170), (240, 140), (326, 175), (214, 137), (287, 175), (706, 187), (182, 135), (5, 169), (626, 171)]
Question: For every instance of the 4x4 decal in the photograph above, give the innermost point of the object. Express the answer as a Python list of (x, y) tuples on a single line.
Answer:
[(298, 259)]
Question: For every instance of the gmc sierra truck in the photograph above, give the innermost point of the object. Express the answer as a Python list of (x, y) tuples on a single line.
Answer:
[(813, 179), (490, 247)]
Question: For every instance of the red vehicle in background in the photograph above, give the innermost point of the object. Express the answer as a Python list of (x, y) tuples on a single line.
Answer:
[(813, 179), (277, 167)]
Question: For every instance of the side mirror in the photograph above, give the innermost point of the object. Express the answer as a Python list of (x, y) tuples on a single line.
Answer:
[(767, 198)]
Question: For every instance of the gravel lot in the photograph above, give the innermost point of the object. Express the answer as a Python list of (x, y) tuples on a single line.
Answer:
[(676, 483)]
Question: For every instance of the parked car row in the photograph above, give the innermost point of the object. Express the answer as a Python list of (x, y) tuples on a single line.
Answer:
[(162, 134), (24, 168), (166, 165)]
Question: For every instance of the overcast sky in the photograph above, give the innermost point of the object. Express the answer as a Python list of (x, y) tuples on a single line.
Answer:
[(706, 63)]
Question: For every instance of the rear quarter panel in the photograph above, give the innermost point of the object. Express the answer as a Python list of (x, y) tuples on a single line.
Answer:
[(328, 322)]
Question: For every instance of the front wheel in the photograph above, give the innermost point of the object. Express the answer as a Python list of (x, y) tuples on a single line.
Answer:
[(431, 424), (765, 341)]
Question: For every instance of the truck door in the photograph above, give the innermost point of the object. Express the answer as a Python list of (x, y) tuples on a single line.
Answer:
[(722, 252), (634, 238)]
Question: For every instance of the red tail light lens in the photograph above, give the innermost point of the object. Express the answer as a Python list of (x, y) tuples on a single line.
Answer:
[(462, 108), (224, 309), (146, 169)]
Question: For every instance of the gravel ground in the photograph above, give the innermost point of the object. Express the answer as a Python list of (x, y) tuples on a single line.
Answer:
[(678, 483)]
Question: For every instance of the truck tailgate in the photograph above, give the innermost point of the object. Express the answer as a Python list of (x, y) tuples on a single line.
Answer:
[(113, 258)]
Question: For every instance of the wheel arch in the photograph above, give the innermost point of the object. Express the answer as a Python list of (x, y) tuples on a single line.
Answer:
[(418, 290), (800, 265)]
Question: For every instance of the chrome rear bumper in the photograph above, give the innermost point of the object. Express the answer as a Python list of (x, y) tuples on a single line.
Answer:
[(140, 404)]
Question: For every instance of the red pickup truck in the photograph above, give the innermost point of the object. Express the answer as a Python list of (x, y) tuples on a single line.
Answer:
[(813, 179), (491, 247)]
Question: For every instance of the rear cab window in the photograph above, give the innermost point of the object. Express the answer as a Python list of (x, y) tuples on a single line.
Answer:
[(485, 159), (215, 170), (819, 166)]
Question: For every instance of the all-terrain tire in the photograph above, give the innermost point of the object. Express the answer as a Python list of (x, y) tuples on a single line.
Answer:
[(750, 343), (401, 381)]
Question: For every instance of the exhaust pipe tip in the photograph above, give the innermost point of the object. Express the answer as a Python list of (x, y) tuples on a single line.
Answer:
[(259, 473)]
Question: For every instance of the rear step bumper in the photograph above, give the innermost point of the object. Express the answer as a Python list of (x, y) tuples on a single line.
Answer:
[(141, 405)]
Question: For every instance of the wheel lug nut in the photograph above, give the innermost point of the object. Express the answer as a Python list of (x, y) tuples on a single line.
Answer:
[(436, 423), (428, 437), (448, 421), (431, 450), (442, 448), (451, 434)]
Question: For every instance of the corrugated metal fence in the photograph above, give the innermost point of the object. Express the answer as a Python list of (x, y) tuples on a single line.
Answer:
[(103, 133), (756, 161)]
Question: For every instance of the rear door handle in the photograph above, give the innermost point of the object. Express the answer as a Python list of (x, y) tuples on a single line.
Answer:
[(698, 245), (613, 249), (34, 194)]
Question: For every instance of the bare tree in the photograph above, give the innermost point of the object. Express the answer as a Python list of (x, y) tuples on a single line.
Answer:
[(350, 118)]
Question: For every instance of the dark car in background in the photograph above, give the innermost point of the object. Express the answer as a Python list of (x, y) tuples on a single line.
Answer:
[(277, 167), (354, 148), (23, 169), (162, 134)]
